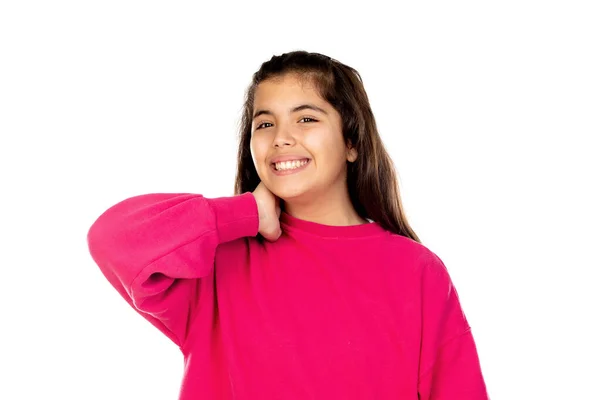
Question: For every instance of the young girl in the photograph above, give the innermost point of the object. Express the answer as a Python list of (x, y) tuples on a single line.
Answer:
[(308, 283)]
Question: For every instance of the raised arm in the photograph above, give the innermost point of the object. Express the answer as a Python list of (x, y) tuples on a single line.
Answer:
[(154, 248)]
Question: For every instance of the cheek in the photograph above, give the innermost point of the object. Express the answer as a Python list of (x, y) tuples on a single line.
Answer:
[(327, 146), (258, 151), (254, 149), (253, 154)]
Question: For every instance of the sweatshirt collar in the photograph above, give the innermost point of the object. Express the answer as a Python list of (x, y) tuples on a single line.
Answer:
[(330, 231)]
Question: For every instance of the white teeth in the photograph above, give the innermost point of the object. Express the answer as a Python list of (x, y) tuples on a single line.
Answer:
[(285, 165)]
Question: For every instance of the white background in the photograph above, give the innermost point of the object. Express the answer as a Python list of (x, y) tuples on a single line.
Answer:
[(490, 111)]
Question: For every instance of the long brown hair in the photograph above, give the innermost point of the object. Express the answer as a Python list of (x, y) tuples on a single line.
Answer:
[(371, 179)]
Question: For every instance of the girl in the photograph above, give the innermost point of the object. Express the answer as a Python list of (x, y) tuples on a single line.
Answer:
[(308, 283)]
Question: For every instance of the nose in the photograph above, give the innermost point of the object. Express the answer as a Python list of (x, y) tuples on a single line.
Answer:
[(283, 137)]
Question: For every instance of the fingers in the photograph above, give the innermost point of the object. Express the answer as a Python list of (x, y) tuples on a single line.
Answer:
[(271, 237)]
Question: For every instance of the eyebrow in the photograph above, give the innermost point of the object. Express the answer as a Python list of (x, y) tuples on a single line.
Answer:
[(293, 110)]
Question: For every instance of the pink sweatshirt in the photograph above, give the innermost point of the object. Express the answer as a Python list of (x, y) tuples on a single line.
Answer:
[(325, 312)]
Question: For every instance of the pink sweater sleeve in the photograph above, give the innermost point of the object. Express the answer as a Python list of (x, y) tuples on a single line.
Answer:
[(154, 248), (449, 367)]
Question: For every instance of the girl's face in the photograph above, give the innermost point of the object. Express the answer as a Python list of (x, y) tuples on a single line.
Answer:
[(297, 144)]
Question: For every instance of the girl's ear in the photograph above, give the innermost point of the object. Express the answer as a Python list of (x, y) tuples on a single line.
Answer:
[(351, 154)]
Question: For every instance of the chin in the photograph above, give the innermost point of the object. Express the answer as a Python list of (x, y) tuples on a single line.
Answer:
[(289, 192)]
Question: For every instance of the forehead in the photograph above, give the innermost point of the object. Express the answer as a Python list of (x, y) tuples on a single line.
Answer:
[(288, 87)]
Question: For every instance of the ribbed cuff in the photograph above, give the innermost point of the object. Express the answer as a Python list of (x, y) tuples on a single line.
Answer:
[(237, 216)]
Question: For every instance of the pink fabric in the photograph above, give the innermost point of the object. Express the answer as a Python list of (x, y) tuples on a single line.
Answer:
[(325, 312)]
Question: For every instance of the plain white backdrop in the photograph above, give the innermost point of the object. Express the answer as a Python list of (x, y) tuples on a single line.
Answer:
[(491, 113)]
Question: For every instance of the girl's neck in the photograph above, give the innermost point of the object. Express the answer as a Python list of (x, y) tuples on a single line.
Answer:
[(326, 211)]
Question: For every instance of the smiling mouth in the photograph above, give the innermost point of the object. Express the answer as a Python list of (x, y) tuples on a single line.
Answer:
[(290, 165)]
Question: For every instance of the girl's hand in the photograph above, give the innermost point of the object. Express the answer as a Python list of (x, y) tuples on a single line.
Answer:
[(269, 211)]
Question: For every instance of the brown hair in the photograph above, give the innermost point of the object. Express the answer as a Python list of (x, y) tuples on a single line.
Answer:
[(371, 179)]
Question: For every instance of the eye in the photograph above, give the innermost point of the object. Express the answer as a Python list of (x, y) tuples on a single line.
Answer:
[(308, 118), (260, 126)]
